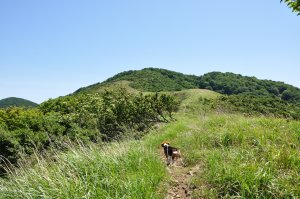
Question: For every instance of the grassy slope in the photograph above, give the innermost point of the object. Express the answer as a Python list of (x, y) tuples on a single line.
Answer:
[(241, 157), (238, 157)]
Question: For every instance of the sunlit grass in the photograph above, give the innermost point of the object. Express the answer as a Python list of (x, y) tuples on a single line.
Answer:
[(242, 157), (126, 170), (238, 157)]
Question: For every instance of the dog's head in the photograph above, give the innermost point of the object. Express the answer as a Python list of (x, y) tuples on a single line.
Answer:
[(165, 143)]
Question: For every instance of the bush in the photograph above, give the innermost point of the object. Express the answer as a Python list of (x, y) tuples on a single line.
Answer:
[(97, 117), (256, 105)]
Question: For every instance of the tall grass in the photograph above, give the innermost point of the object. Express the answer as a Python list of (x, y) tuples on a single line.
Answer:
[(238, 157), (243, 157), (126, 170)]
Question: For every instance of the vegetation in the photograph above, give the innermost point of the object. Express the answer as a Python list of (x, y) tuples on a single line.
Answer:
[(149, 79), (237, 157), (18, 102), (99, 117), (127, 170), (293, 4), (253, 105), (252, 96), (230, 83), (153, 79)]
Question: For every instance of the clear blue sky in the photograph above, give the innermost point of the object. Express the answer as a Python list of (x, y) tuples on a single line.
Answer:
[(52, 48)]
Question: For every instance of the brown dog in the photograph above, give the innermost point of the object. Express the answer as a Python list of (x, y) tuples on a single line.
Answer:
[(171, 153)]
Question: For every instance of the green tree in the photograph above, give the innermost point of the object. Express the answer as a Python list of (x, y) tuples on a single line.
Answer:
[(293, 4)]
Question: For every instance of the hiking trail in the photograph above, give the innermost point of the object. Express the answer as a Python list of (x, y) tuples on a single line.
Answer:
[(179, 186)]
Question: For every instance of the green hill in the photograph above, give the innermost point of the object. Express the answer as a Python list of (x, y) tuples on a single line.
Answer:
[(149, 80), (18, 102), (225, 152), (244, 94), (235, 84), (156, 80), (253, 96)]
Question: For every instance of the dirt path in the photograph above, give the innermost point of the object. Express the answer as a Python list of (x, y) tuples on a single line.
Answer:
[(180, 179)]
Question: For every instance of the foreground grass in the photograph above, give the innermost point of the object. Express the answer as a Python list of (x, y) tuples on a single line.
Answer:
[(242, 157), (126, 170)]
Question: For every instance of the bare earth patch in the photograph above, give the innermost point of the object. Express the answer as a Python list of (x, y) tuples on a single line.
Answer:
[(180, 179)]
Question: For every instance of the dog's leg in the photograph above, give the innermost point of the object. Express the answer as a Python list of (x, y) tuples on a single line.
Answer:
[(169, 160)]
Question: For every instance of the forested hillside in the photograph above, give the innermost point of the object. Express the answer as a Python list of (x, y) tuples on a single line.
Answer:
[(253, 96), (241, 93), (230, 84), (155, 80), (149, 79), (14, 101)]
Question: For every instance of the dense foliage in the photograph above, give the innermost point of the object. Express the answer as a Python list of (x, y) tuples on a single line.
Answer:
[(230, 83), (99, 117), (248, 95), (293, 4), (151, 79), (256, 105), (14, 101)]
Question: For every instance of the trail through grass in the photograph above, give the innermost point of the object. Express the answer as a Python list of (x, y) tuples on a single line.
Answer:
[(234, 157), (241, 157)]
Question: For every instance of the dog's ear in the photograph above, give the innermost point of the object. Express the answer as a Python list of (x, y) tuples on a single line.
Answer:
[(165, 142)]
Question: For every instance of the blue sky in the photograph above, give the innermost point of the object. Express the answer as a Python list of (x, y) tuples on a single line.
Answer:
[(52, 48)]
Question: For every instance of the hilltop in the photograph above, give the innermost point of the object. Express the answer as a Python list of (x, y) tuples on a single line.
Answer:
[(245, 94), (18, 102), (157, 80), (148, 80)]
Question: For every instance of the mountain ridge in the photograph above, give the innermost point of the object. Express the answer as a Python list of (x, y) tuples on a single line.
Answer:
[(157, 80)]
